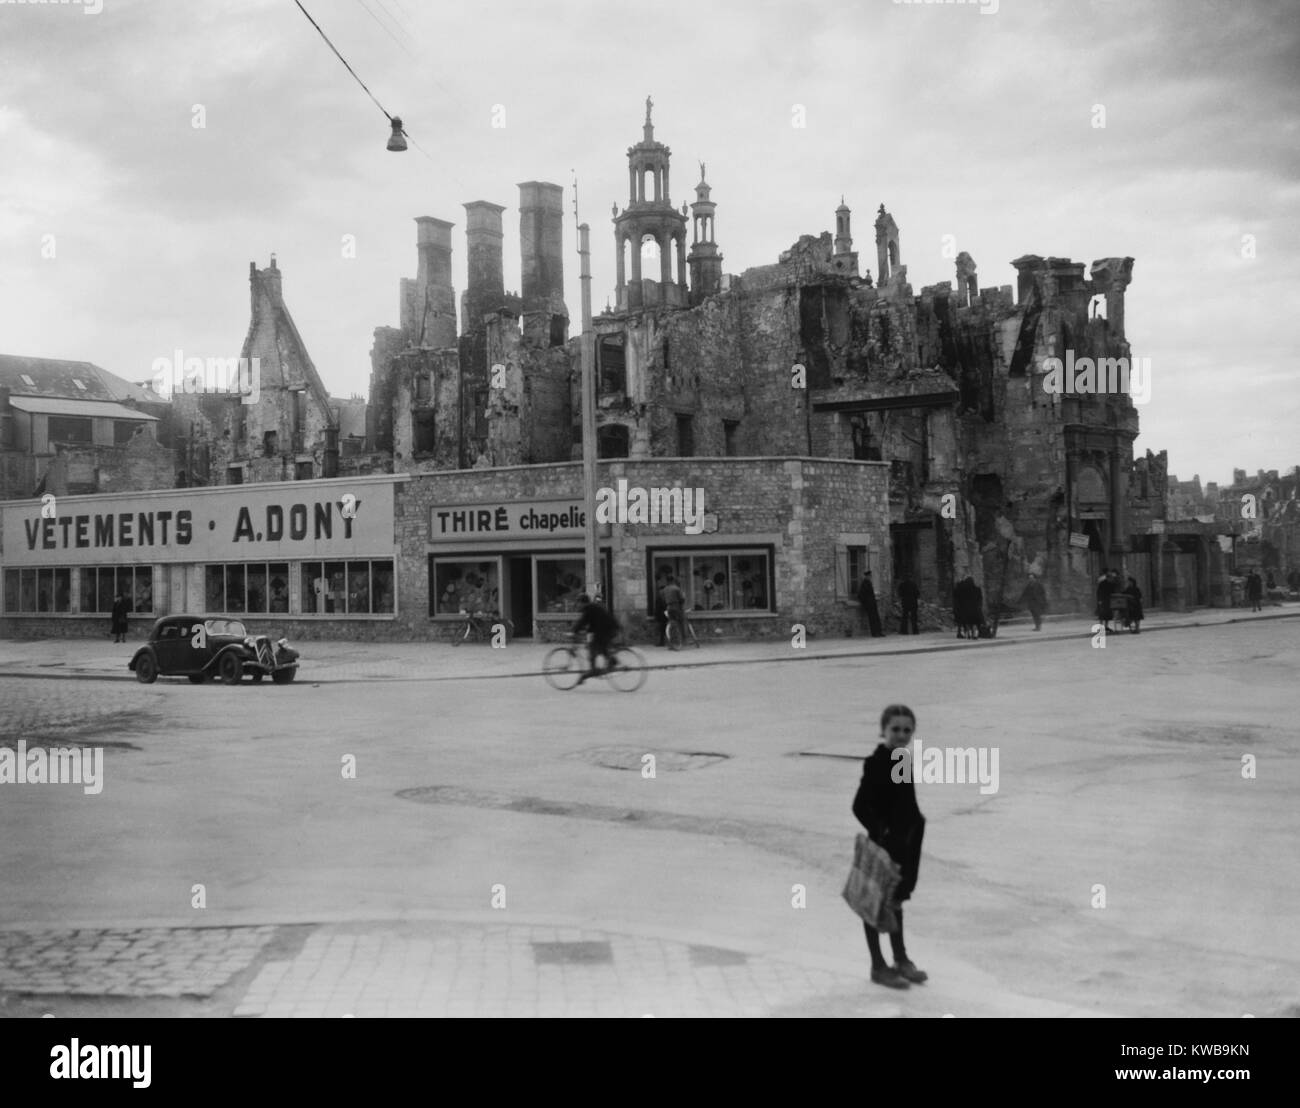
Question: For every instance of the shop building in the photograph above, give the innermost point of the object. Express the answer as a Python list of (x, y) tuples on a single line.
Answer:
[(757, 544)]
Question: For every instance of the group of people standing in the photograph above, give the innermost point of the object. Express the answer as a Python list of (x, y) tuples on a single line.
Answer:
[(1109, 586), (909, 595)]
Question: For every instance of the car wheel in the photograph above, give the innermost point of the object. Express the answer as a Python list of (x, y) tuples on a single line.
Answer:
[(231, 668), (283, 676), (146, 669), (197, 678)]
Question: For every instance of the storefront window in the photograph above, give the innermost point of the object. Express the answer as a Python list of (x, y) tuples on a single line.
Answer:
[(235, 584), (382, 590), (38, 590), (718, 581), (253, 587), (255, 579), (347, 588), (100, 585), (559, 584), (471, 585)]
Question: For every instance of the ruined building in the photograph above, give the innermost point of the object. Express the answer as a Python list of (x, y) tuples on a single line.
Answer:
[(996, 470), (266, 418)]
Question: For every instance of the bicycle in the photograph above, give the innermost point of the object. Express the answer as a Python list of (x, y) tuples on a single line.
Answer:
[(673, 633), (565, 665), (482, 625)]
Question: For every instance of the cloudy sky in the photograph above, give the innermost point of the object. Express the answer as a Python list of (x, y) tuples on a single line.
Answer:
[(964, 122)]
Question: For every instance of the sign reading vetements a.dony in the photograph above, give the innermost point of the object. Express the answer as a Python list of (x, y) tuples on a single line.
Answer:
[(243, 523), (534, 519)]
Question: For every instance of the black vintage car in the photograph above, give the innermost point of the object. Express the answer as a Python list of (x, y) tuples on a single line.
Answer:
[(201, 647)]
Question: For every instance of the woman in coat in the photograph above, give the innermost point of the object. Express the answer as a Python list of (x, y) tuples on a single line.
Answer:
[(885, 805), (117, 626)]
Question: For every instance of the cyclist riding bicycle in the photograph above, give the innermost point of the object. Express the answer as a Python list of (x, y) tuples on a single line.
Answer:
[(604, 629), (674, 601)]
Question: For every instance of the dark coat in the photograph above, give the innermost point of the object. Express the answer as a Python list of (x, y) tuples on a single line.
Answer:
[(119, 625), (888, 810), (1254, 587), (1134, 595), (1105, 587), (1034, 598), (963, 603), (597, 619), (909, 594)]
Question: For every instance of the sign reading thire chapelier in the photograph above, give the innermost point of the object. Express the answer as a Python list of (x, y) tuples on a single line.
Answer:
[(236, 523), (534, 519)]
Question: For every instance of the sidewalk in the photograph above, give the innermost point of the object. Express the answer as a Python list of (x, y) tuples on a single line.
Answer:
[(458, 965), (336, 661)]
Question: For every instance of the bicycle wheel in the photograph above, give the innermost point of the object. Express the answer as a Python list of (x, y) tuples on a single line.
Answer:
[(690, 630), (463, 634), (562, 667), (629, 675), (673, 636)]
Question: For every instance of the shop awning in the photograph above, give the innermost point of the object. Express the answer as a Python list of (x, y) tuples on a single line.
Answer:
[(55, 405)]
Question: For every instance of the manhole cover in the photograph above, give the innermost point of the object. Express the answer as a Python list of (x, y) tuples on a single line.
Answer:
[(634, 758)]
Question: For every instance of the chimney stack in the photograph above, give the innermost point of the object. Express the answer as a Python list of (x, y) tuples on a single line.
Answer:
[(486, 287), (433, 322), (541, 244)]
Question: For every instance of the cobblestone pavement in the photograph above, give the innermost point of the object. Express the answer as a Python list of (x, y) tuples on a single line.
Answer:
[(155, 961), (65, 712), (409, 969)]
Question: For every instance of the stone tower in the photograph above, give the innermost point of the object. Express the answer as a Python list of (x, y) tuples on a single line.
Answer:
[(845, 259), (704, 260), (650, 218), (889, 256)]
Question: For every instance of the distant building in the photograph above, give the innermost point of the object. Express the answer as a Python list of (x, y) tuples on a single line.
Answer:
[(71, 427)]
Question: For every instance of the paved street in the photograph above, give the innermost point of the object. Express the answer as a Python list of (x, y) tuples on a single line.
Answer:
[(499, 850)]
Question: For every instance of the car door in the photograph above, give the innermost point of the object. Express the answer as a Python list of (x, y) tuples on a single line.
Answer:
[(166, 647)]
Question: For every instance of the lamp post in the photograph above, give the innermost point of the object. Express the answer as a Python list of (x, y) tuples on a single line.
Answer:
[(588, 417)]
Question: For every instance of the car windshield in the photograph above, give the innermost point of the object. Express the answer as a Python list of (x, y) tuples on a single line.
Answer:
[(225, 627)]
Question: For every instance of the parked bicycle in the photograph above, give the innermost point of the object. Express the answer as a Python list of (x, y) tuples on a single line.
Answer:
[(565, 665), (673, 633), (482, 626)]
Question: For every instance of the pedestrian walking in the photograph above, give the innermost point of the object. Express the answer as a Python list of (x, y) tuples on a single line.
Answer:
[(981, 629), (117, 618), (1035, 599), (1135, 613), (1255, 590), (867, 602), (910, 596), (886, 807)]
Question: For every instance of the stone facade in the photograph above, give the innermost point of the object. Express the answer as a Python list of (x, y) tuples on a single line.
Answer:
[(288, 432), (780, 542)]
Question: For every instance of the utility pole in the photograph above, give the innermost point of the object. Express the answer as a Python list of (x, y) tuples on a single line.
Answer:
[(588, 416)]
